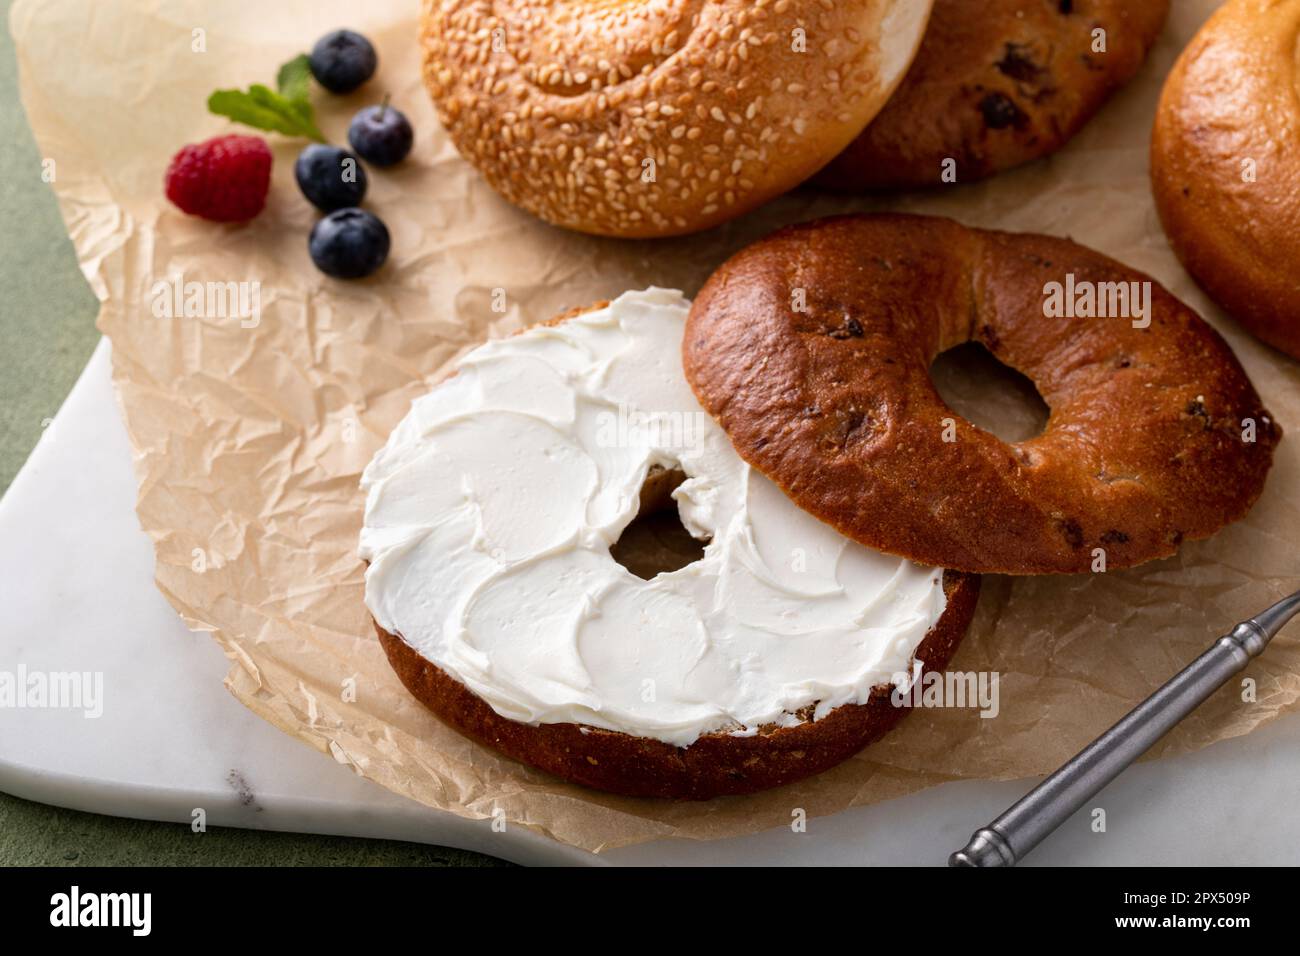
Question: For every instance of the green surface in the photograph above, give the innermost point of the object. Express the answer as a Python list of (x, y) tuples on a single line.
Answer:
[(48, 320), (33, 834), (47, 327)]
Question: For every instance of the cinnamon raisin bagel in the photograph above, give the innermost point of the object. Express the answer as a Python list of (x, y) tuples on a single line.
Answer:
[(663, 117), (493, 516), (998, 83), (1225, 165), (716, 764), (812, 349)]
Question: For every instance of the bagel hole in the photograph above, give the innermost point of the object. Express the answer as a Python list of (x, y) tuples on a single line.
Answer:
[(656, 542), (989, 394)]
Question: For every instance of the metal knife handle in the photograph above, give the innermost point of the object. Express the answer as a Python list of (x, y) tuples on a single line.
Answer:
[(1008, 838)]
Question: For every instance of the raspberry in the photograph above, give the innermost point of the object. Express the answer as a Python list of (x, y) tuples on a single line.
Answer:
[(224, 179)]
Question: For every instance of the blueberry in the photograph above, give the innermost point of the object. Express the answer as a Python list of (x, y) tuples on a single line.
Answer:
[(381, 135), (349, 244), (341, 61), (331, 178)]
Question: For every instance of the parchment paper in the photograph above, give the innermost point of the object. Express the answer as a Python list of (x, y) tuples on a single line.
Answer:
[(249, 441)]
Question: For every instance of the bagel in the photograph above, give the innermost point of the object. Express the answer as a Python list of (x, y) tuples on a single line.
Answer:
[(997, 83), (716, 764), (812, 349), (491, 514), (1225, 165), (660, 118)]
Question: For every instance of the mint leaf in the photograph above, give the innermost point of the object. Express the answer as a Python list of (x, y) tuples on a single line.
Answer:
[(263, 108), (293, 79)]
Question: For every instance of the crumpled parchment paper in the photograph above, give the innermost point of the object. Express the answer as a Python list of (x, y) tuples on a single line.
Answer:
[(249, 441)]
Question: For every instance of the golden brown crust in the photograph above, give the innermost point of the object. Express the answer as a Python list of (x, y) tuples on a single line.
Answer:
[(716, 764), (653, 119), (1225, 165), (998, 83), (1144, 448)]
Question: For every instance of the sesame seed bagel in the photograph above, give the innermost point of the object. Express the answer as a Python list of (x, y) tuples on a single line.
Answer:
[(998, 83), (812, 349), (665, 117), (717, 764), (1225, 165)]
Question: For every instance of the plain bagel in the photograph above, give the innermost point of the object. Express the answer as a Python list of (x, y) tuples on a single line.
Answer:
[(662, 118), (1225, 165), (812, 349), (998, 83)]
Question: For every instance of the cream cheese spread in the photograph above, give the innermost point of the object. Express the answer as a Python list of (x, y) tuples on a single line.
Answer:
[(491, 510)]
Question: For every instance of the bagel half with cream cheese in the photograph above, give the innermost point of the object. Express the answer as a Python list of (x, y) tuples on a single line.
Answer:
[(490, 517)]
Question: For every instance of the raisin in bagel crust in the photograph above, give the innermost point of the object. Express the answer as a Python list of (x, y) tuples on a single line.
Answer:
[(1225, 165), (659, 117), (1144, 447), (490, 517), (998, 83)]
